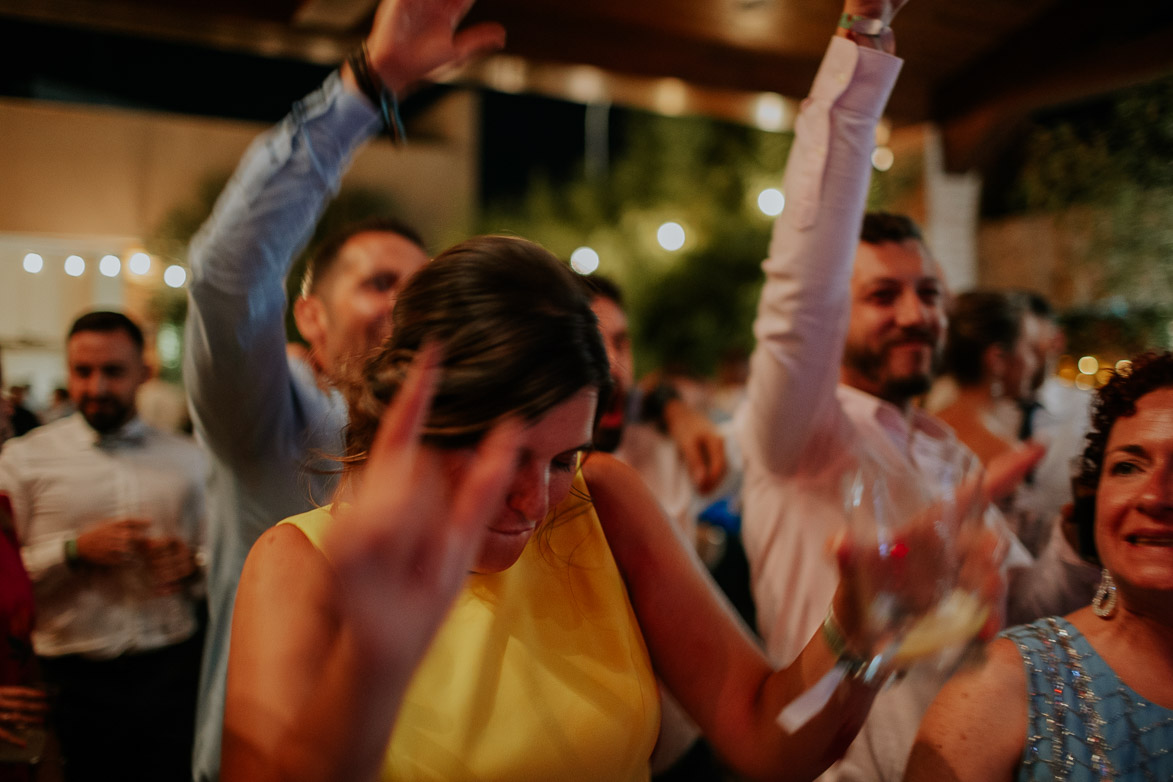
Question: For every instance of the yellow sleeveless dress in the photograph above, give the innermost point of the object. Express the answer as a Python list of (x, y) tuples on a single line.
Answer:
[(539, 672)]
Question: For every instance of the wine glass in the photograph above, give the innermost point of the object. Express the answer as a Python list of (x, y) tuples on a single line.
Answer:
[(913, 575)]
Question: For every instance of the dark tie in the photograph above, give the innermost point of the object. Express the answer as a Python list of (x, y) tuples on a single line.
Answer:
[(1028, 419), (1026, 430)]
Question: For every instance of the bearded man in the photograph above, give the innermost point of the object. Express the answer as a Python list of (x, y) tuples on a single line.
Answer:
[(110, 516)]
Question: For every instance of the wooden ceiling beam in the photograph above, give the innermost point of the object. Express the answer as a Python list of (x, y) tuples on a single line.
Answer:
[(1064, 57), (254, 28)]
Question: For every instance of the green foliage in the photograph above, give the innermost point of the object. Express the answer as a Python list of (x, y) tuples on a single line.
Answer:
[(1104, 171), (691, 307), (1115, 330), (1099, 153)]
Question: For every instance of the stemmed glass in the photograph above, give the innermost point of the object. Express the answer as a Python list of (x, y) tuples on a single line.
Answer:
[(916, 575)]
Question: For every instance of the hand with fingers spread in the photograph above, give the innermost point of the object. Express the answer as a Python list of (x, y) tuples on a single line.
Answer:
[(411, 542), (20, 706), (413, 38)]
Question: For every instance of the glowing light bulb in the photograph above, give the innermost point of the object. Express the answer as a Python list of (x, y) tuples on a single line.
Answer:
[(771, 201), (883, 158), (140, 263), (584, 260), (671, 236), (175, 276)]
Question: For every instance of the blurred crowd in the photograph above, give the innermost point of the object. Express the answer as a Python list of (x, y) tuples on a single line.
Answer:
[(453, 534)]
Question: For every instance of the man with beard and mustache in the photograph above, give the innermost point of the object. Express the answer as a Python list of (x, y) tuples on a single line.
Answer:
[(110, 515), (848, 334)]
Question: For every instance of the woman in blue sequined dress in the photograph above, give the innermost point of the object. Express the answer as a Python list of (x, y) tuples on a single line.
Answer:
[(1088, 696)]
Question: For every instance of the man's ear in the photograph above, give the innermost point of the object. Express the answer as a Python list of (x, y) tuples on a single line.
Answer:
[(310, 316)]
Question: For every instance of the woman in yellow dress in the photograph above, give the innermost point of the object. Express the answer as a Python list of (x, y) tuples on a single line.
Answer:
[(485, 600)]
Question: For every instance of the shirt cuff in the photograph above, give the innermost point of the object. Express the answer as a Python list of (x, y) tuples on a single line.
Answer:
[(353, 119), (856, 78)]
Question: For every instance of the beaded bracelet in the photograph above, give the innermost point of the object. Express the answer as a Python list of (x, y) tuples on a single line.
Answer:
[(376, 91)]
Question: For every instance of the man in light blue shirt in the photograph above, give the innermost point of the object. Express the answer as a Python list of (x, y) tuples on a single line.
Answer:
[(264, 414)]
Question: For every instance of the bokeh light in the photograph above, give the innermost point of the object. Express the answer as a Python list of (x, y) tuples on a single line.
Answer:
[(140, 263), (883, 158), (771, 201), (175, 276), (584, 260), (671, 236)]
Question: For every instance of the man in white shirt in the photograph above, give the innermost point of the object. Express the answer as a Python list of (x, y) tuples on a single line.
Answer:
[(848, 332), (110, 516)]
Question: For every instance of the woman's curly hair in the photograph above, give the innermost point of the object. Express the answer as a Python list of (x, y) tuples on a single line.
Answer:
[(518, 338), (1146, 373)]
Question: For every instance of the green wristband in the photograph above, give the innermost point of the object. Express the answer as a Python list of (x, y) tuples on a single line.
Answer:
[(862, 25), (72, 557)]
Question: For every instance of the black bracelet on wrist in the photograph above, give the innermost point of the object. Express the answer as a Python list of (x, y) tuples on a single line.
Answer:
[(654, 403), (377, 93)]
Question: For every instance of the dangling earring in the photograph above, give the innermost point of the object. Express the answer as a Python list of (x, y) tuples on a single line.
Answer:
[(1104, 603), (996, 388)]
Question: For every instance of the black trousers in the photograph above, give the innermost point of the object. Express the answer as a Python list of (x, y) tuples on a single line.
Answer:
[(130, 718)]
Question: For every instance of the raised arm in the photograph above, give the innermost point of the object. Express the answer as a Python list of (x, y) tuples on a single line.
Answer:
[(803, 310), (238, 376)]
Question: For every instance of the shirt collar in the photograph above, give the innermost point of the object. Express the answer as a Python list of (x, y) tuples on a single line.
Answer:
[(132, 433), (893, 419)]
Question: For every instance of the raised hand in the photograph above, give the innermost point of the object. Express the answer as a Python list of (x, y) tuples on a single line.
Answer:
[(402, 549), (412, 38)]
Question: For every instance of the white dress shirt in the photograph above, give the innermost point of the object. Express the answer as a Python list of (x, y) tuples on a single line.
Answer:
[(64, 478), (801, 432)]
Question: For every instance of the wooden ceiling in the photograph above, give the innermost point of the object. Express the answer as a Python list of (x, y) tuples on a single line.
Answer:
[(976, 67)]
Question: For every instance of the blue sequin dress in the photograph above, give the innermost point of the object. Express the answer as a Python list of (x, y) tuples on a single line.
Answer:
[(1085, 724)]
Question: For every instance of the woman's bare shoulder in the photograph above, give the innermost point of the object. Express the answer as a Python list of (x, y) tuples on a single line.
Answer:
[(603, 468), (284, 562), (976, 727)]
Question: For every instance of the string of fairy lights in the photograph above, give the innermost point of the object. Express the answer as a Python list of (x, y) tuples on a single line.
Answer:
[(137, 264)]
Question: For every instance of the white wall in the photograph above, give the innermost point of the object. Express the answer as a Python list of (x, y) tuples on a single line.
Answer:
[(90, 181)]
